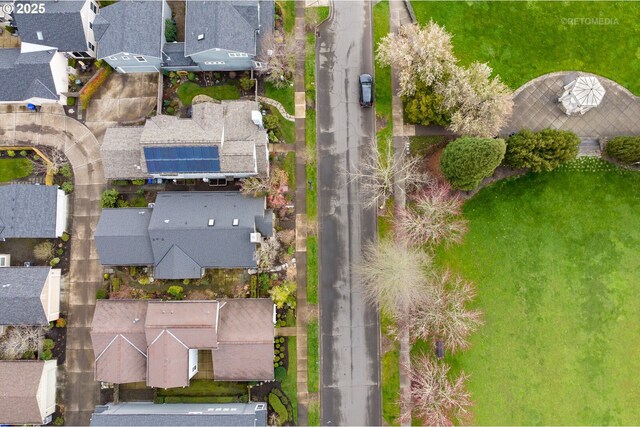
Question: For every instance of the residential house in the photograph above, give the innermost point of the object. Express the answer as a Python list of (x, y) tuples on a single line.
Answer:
[(180, 414), (185, 233), (35, 77), (32, 211), (29, 296), (130, 35), (27, 391), (65, 26), (223, 140), (158, 341), (221, 35)]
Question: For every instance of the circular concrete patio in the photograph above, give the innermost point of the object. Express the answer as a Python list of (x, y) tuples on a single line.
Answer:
[(536, 107)]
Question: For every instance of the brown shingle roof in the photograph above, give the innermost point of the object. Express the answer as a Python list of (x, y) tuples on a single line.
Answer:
[(119, 343), (245, 336), (239, 332), (19, 381)]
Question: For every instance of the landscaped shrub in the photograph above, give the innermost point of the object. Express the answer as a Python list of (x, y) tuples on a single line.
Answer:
[(109, 198), (48, 344), (426, 108), (270, 122), (624, 148), (92, 87), (23, 153), (278, 408), (191, 77), (43, 251), (281, 373), (176, 292), (59, 421), (11, 153), (467, 161), (65, 237), (46, 355), (246, 83), (67, 187), (144, 281), (115, 284), (170, 31), (122, 203), (61, 322), (65, 170), (54, 262), (59, 251), (170, 110), (284, 294), (101, 293), (541, 151), (71, 62), (71, 101)]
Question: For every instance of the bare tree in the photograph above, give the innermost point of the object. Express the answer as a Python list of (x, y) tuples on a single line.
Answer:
[(480, 104), (57, 159), (267, 253), (432, 217), (19, 340), (444, 314), (421, 54), (379, 172), (255, 186), (393, 276), (278, 54), (434, 397)]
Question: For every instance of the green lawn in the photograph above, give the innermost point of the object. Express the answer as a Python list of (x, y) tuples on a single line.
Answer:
[(523, 40), (382, 74), (290, 383), (17, 168), (313, 363), (187, 91), (286, 128), (555, 259), (283, 96), (205, 391), (390, 376), (289, 166), (314, 414), (288, 8), (312, 270)]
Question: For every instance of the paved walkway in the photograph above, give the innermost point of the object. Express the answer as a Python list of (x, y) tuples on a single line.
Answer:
[(52, 128), (278, 106), (399, 15), (122, 98), (301, 222), (536, 108)]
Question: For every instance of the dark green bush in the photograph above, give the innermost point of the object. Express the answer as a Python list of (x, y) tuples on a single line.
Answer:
[(46, 355), (541, 151), (65, 170), (246, 83), (278, 408), (67, 187), (170, 31), (171, 111), (624, 148), (101, 293), (467, 161), (425, 108), (59, 421), (281, 373), (191, 76), (139, 181), (71, 101), (23, 153)]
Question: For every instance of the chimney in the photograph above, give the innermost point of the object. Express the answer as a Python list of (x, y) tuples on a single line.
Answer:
[(256, 116)]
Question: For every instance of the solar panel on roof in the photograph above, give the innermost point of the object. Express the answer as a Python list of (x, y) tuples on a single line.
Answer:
[(190, 159)]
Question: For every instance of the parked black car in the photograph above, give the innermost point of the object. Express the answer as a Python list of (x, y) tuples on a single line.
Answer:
[(366, 90)]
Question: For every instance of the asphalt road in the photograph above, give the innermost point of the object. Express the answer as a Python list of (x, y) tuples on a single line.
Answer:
[(350, 329)]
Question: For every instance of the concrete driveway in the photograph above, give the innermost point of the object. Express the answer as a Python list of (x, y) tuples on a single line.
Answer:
[(350, 329), (52, 128), (122, 98)]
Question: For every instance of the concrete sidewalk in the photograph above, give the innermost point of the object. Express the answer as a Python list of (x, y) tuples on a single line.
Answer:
[(52, 128)]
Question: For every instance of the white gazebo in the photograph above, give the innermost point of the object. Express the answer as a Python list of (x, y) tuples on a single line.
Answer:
[(581, 95)]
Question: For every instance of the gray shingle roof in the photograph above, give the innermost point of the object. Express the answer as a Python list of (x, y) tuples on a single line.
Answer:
[(122, 147), (26, 75), (174, 56), (229, 25), (134, 27), (178, 228), (20, 290), (180, 414), (122, 237), (28, 211), (60, 25)]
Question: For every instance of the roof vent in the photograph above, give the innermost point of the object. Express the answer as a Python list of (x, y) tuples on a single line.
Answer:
[(201, 36), (136, 320), (40, 36), (7, 285), (212, 222), (255, 237), (140, 212), (236, 222), (166, 221)]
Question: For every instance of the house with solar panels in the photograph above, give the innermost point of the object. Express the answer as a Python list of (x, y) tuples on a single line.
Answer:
[(221, 140)]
